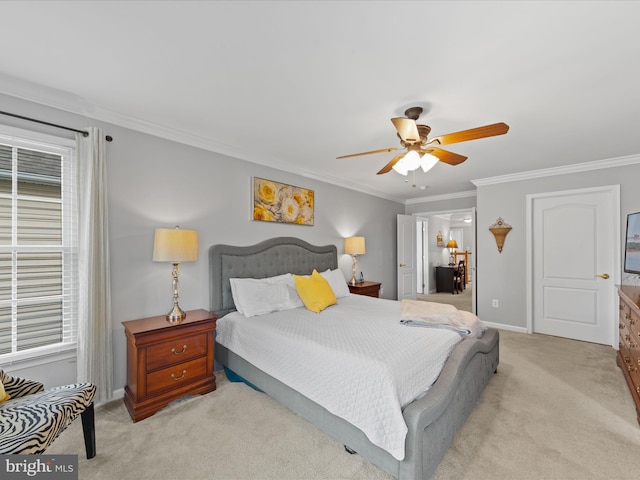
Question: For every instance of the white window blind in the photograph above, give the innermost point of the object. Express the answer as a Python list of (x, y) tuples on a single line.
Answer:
[(38, 247)]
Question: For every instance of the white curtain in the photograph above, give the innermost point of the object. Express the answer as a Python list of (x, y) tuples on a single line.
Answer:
[(95, 357)]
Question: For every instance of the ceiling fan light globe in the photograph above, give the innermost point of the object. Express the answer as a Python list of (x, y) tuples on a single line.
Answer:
[(401, 167), (428, 161), (411, 160)]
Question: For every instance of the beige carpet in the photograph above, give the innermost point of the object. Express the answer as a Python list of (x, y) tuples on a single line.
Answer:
[(557, 409), (462, 301)]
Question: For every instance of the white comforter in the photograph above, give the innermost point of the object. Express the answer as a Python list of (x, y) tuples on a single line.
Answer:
[(355, 359)]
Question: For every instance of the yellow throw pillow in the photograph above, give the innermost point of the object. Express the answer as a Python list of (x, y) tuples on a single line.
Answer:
[(3, 395), (315, 292)]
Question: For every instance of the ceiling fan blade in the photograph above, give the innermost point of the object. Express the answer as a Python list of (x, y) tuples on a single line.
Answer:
[(472, 134), (387, 168), (384, 150), (407, 129), (445, 156)]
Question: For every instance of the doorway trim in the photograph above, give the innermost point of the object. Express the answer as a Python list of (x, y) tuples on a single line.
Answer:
[(615, 191)]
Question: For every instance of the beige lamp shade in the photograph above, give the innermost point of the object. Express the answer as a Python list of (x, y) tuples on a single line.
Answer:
[(175, 245), (452, 244), (354, 245)]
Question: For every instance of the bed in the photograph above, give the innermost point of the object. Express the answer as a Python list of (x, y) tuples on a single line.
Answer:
[(432, 420)]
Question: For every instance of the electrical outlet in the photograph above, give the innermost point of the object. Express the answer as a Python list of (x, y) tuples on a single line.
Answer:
[(381, 291), (495, 303)]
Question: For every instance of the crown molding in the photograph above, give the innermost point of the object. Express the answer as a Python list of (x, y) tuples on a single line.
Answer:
[(566, 169), (47, 96), (437, 198), (231, 151), (61, 100)]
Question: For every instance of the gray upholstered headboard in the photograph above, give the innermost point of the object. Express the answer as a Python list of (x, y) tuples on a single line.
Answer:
[(275, 256)]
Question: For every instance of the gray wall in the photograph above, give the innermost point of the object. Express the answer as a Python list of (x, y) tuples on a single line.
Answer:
[(154, 182), (441, 205), (503, 275)]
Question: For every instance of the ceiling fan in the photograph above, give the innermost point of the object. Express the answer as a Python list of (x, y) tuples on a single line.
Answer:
[(424, 152)]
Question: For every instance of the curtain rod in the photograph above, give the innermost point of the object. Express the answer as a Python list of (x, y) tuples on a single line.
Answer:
[(108, 138)]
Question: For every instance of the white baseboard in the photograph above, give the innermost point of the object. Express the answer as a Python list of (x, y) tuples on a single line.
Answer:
[(502, 326)]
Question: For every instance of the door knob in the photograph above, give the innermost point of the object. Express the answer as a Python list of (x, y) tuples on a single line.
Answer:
[(604, 275), (403, 264)]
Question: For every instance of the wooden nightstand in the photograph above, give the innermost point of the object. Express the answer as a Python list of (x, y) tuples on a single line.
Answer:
[(167, 361), (370, 289)]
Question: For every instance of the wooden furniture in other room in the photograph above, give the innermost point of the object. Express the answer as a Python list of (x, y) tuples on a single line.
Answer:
[(458, 278), (370, 289), (167, 361), (465, 256), (628, 358), (446, 279)]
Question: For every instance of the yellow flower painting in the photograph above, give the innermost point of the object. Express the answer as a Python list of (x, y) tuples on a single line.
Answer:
[(282, 203)]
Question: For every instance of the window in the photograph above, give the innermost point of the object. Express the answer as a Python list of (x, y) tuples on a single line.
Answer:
[(38, 246)]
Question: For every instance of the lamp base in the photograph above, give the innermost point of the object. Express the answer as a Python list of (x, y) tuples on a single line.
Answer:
[(176, 315), (353, 271)]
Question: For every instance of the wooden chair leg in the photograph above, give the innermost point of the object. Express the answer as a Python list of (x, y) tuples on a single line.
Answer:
[(89, 431)]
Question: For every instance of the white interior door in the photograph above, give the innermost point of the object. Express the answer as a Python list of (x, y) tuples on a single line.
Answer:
[(406, 254), (472, 260), (575, 244)]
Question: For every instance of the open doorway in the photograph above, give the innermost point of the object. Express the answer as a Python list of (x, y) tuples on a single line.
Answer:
[(433, 257)]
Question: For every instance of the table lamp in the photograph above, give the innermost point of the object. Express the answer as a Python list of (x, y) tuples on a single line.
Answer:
[(175, 245), (452, 245), (354, 246)]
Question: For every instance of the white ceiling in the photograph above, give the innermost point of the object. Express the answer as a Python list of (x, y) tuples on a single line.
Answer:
[(295, 84)]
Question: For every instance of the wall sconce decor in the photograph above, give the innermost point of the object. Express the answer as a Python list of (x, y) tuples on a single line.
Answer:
[(500, 230), (440, 242), (174, 245), (354, 246)]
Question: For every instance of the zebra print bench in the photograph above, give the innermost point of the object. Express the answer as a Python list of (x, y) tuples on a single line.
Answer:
[(33, 418)]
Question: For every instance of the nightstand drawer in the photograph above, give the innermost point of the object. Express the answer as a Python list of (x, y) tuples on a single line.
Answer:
[(370, 289), (176, 376), (175, 351)]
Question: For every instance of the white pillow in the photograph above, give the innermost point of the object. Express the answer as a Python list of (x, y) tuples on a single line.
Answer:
[(257, 296), (337, 282)]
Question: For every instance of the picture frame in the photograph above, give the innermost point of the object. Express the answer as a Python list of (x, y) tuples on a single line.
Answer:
[(282, 203)]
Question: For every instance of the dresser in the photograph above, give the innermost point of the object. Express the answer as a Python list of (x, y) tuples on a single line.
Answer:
[(370, 289), (444, 279), (167, 361), (628, 358)]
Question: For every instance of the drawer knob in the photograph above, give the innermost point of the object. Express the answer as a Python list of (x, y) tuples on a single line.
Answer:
[(184, 349), (173, 375)]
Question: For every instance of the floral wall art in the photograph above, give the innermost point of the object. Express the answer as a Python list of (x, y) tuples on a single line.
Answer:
[(282, 203)]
